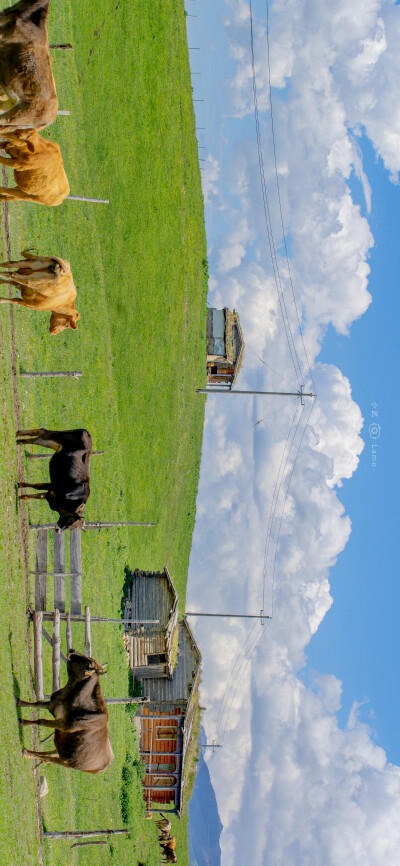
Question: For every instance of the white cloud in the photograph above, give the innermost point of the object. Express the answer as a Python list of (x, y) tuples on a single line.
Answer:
[(210, 178)]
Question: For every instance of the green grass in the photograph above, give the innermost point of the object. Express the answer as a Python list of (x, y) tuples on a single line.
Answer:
[(140, 267)]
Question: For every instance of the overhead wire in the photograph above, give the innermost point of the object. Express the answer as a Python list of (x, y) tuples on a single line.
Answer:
[(275, 268), (278, 485), (279, 196), (284, 504)]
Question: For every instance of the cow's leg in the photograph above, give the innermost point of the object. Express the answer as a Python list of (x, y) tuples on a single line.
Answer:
[(13, 300), (44, 723), (46, 757), (35, 431), (14, 193), (25, 496), (45, 486), (9, 281), (20, 703), (11, 161), (39, 436)]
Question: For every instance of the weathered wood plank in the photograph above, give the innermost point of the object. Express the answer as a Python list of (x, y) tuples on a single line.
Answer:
[(68, 633), (59, 568), (55, 642), (37, 653), (41, 567), (88, 642), (50, 641), (76, 567)]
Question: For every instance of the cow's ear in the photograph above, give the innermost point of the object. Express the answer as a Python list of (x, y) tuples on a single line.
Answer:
[(73, 324), (80, 508)]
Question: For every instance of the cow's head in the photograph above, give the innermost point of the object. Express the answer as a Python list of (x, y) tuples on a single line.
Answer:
[(60, 321), (69, 521), (80, 666)]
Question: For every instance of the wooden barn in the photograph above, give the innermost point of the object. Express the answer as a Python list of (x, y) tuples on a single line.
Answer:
[(225, 346), (151, 596), (168, 721)]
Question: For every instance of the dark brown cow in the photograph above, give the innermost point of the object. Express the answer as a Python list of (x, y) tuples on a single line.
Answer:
[(69, 488), (81, 719), (168, 854), (28, 98)]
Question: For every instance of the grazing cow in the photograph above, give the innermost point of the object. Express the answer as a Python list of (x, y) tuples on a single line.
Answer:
[(165, 836), (168, 854), (45, 284), (28, 94), (69, 489), (38, 169), (163, 823), (81, 719)]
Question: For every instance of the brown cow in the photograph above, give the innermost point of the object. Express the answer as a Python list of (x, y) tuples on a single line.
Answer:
[(81, 719), (28, 98), (168, 854), (38, 169), (45, 284), (166, 837)]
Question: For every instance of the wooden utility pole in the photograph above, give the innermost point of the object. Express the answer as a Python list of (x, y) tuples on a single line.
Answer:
[(300, 393), (261, 616)]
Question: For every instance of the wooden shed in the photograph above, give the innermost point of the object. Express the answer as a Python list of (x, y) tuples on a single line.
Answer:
[(225, 346), (151, 596), (167, 726)]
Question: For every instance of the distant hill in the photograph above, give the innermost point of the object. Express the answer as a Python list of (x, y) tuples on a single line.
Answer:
[(204, 822)]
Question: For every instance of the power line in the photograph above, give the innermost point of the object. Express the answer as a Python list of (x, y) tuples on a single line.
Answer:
[(279, 194), (284, 504), (285, 317), (277, 489)]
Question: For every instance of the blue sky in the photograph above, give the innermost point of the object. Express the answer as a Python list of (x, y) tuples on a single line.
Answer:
[(309, 721)]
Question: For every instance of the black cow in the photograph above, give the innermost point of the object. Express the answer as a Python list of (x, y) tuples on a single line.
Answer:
[(69, 489), (81, 719)]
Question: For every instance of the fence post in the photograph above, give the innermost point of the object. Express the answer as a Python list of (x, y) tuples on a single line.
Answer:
[(79, 834), (73, 373), (96, 525), (85, 198)]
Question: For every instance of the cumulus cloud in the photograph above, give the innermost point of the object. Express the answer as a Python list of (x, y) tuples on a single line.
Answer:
[(210, 178)]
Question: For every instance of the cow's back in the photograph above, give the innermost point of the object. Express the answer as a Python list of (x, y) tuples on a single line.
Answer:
[(42, 173), (56, 292), (72, 462), (89, 750), (80, 702)]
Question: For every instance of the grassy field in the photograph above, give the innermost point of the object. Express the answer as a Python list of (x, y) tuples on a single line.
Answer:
[(140, 267)]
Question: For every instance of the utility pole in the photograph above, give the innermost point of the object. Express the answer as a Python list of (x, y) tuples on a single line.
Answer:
[(300, 393), (261, 616)]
